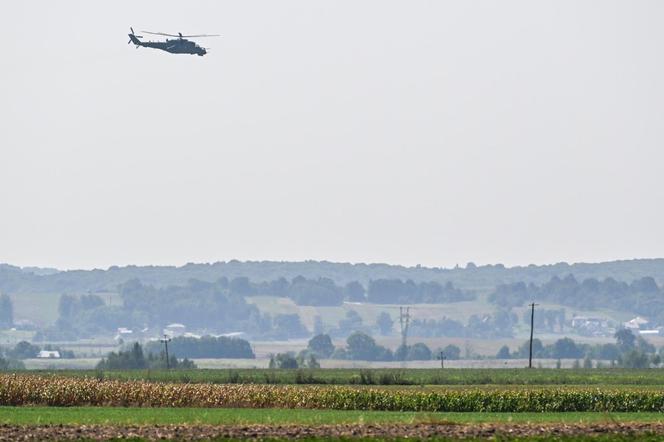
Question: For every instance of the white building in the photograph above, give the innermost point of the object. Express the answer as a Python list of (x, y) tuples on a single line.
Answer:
[(175, 329), (46, 354), (589, 322), (123, 333), (637, 323)]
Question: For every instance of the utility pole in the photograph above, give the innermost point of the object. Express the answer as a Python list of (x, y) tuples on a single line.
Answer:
[(442, 360), (532, 326), (404, 321), (166, 340)]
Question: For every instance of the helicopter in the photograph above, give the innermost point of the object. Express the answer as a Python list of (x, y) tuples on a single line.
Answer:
[(178, 46)]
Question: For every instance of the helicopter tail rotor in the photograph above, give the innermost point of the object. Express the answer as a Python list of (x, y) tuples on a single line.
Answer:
[(133, 38)]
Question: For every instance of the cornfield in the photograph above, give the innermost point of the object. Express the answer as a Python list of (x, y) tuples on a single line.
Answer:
[(59, 391)]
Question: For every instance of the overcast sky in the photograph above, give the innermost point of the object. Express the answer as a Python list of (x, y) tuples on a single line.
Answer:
[(430, 132)]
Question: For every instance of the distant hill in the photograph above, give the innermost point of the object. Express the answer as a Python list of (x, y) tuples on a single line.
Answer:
[(35, 280)]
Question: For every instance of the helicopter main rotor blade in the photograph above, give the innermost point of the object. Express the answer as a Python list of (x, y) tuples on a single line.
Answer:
[(160, 33), (202, 35), (182, 36)]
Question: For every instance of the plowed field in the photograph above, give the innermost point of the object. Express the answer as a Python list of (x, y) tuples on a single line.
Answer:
[(198, 432)]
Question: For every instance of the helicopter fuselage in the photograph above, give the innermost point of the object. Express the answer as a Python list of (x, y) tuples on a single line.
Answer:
[(176, 46)]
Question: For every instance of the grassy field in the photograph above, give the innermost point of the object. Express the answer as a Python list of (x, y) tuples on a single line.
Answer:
[(358, 365), (369, 312), (89, 363), (236, 416), (599, 377)]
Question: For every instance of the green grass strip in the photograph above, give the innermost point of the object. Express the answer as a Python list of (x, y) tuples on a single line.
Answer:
[(244, 416), (458, 376)]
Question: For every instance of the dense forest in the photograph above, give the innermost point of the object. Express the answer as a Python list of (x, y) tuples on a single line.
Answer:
[(469, 277), (222, 307), (213, 298), (641, 296)]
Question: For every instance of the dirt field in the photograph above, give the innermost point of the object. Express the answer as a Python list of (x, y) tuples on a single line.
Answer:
[(197, 432)]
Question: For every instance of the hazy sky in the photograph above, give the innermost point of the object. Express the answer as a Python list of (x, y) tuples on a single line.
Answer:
[(432, 132)]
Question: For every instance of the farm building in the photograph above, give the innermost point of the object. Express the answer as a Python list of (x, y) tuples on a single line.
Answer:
[(46, 354), (637, 323), (175, 329)]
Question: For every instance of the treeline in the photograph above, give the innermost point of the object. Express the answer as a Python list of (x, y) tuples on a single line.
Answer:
[(362, 347), (200, 305), (629, 351), (205, 347), (11, 357), (325, 292), (134, 358), (319, 292), (500, 324), (641, 296), (396, 291), (469, 276), (208, 305), (27, 350), (6, 312)]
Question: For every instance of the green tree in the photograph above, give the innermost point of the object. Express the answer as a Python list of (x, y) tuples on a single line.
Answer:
[(321, 345), (158, 362), (419, 352), (538, 349), (384, 323), (609, 352), (318, 325), (312, 362), (566, 348), (361, 346), (11, 364), (6, 311), (283, 361), (634, 359), (503, 353), (24, 350), (66, 306), (354, 292), (289, 326), (451, 352), (351, 322), (644, 345), (625, 339), (401, 353), (205, 347), (132, 359), (306, 359)]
